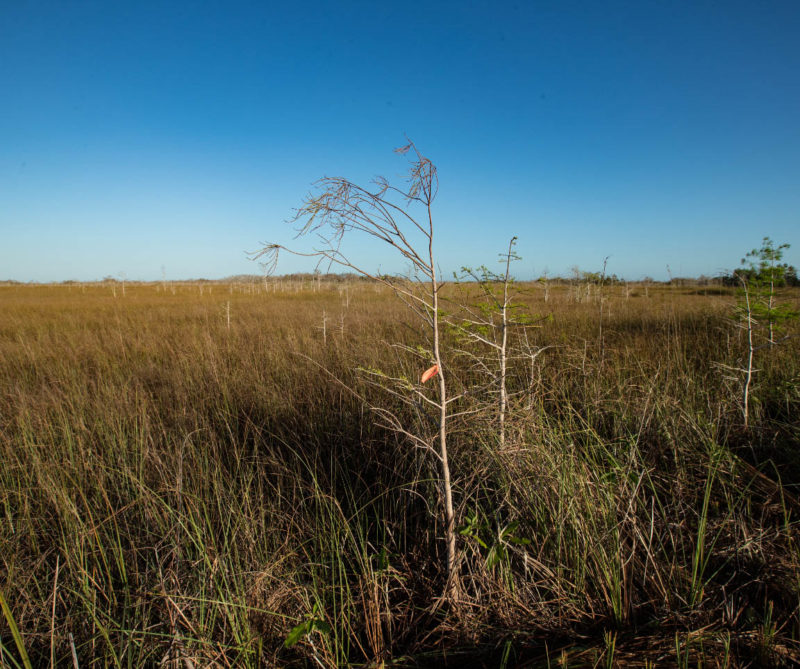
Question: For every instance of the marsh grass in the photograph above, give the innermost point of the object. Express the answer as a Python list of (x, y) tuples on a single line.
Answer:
[(176, 489)]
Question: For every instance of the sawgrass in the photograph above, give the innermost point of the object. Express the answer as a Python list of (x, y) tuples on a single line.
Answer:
[(191, 472)]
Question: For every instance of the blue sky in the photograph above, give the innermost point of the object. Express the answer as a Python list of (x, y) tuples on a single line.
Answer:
[(143, 135)]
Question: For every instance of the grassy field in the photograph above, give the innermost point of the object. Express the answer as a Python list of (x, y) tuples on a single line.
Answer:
[(195, 475)]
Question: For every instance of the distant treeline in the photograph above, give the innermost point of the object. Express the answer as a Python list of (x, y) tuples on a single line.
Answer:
[(579, 277), (788, 277)]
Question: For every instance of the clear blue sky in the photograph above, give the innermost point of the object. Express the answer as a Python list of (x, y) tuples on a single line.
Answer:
[(136, 135)]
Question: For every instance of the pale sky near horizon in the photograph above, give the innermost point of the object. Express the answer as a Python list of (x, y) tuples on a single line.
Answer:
[(137, 136)]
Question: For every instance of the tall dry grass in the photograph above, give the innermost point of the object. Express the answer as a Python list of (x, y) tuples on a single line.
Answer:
[(174, 489)]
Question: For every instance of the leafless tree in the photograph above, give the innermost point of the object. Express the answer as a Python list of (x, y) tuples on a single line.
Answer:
[(401, 218)]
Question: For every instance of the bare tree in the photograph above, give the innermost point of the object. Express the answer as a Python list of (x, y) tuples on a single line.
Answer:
[(401, 218), (758, 307), (749, 323), (488, 325)]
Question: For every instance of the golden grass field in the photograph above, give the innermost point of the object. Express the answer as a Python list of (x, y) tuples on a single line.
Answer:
[(189, 472)]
